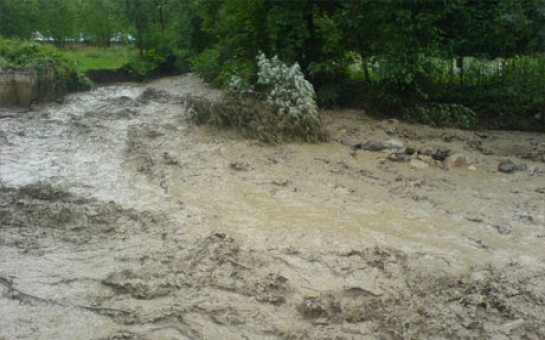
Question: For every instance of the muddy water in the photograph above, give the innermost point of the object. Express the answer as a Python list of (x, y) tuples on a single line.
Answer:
[(133, 223)]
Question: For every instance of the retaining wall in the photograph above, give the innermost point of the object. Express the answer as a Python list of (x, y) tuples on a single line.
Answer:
[(22, 87)]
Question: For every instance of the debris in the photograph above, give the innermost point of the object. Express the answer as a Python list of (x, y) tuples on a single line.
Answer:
[(373, 145), (410, 150), (417, 163), (457, 160), (437, 153), (239, 166), (348, 142), (399, 157), (507, 165), (426, 159), (394, 144)]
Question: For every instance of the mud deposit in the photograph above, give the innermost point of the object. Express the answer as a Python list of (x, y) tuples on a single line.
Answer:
[(121, 219)]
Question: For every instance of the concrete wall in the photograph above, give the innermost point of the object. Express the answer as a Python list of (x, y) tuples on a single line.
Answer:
[(21, 88)]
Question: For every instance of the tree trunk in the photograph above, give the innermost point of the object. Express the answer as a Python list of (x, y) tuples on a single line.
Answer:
[(460, 62), (161, 19), (138, 24), (308, 51), (451, 71), (366, 73)]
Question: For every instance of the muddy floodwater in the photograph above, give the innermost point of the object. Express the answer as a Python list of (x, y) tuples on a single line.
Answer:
[(122, 219)]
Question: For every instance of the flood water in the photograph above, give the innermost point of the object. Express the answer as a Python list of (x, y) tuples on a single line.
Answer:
[(146, 188)]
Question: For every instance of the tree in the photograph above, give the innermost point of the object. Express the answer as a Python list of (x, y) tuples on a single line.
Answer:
[(101, 20), (58, 19), (18, 18)]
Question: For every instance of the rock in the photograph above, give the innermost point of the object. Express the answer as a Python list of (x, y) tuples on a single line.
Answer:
[(471, 168), (239, 166), (348, 142), (426, 159), (457, 160), (417, 163), (450, 137), (393, 144), (429, 151), (506, 165), (373, 145), (410, 151), (520, 167), (399, 157), (541, 190), (437, 153), (441, 154)]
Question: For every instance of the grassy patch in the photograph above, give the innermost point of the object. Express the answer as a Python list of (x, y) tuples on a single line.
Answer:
[(99, 58)]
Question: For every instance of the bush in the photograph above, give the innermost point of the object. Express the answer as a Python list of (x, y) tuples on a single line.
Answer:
[(441, 115), (280, 107), (145, 65), (22, 54), (511, 97), (208, 65)]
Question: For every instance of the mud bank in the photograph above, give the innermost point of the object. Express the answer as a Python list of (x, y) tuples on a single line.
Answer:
[(103, 77), (121, 219)]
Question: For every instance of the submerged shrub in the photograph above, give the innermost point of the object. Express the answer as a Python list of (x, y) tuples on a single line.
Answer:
[(281, 106)]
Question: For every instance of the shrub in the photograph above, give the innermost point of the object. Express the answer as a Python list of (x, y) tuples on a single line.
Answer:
[(287, 88), (22, 54), (208, 65), (281, 106), (509, 97), (145, 65), (441, 115)]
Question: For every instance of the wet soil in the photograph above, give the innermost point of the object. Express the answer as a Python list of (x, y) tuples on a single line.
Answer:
[(121, 219)]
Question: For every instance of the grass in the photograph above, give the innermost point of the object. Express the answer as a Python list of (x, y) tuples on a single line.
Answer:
[(101, 58)]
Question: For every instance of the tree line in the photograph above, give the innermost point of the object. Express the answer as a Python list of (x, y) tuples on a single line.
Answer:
[(428, 60)]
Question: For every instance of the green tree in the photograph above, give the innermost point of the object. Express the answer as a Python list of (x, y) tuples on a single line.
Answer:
[(101, 20), (18, 18), (236, 30), (59, 20)]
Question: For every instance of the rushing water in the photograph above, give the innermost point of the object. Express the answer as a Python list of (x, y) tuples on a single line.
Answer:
[(111, 144), (160, 181)]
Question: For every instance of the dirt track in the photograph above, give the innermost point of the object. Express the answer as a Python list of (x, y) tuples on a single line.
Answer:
[(121, 219)]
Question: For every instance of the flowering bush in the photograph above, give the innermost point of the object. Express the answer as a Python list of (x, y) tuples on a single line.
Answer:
[(287, 88), (281, 106)]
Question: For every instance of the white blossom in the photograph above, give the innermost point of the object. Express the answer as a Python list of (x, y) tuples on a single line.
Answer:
[(289, 90)]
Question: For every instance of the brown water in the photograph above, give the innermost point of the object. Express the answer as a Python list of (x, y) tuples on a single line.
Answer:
[(115, 199)]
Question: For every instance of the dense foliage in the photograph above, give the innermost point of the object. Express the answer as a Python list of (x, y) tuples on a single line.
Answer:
[(281, 106), (24, 55), (455, 62)]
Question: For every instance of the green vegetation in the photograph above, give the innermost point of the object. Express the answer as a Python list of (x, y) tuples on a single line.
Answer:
[(101, 58), (24, 55), (280, 106), (463, 63)]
